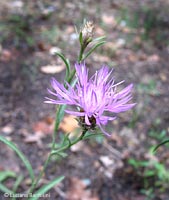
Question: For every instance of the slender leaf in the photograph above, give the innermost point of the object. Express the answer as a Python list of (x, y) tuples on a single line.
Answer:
[(92, 136), (162, 143), (3, 176), (59, 116), (5, 189), (93, 48), (6, 174), (20, 154), (133, 162), (99, 39), (149, 173), (80, 38), (67, 63), (59, 154), (46, 188), (16, 184), (66, 139)]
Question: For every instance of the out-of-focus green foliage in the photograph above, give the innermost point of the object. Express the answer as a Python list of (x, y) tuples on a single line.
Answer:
[(154, 174)]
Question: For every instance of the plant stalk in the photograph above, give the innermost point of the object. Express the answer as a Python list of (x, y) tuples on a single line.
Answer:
[(57, 122)]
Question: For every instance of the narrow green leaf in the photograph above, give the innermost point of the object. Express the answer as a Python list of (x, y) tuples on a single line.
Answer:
[(71, 76), (93, 135), (17, 183), (6, 174), (99, 39), (20, 154), (133, 162), (5, 189), (67, 63), (162, 143), (60, 154), (144, 163), (59, 116), (65, 140), (46, 188), (149, 173), (93, 48), (81, 38)]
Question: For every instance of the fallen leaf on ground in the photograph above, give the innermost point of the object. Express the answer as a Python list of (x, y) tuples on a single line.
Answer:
[(132, 57), (163, 77), (116, 138), (35, 138), (100, 58), (54, 50), (106, 161), (68, 124), (69, 30), (52, 69), (40, 130), (9, 160), (45, 126), (77, 147), (78, 191), (8, 129), (43, 47), (109, 20), (137, 40), (154, 58), (6, 55), (99, 31)]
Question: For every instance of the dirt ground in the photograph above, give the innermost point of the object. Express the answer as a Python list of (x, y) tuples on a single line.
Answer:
[(137, 48)]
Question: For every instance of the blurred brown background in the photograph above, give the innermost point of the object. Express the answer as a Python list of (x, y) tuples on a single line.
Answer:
[(117, 168)]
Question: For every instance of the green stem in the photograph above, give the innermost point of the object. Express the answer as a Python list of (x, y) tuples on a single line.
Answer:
[(34, 184), (70, 144), (49, 157), (58, 118), (57, 122), (80, 54), (71, 76), (80, 58)]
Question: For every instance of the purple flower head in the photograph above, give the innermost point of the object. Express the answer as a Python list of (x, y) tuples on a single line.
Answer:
[(96, 98)]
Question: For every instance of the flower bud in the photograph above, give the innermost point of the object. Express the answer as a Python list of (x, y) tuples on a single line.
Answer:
[(87, 33)]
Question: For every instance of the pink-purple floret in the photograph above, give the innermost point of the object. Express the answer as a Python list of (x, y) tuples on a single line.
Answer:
[(94, 97)]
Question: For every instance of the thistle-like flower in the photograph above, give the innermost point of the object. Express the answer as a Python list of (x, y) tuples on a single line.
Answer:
[(96, 98)]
